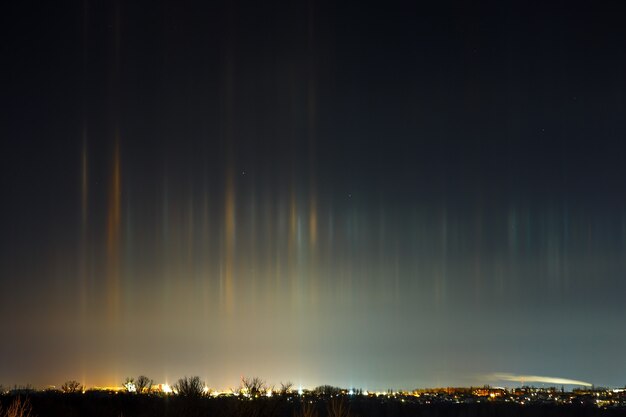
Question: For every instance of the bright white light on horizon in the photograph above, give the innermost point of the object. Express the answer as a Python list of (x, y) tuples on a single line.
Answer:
[(167, 389), (536, 378)]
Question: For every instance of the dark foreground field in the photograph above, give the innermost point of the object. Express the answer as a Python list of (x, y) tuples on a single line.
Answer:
[(117, 405)]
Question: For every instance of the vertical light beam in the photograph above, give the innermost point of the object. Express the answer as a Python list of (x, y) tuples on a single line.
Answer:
[(113, 233), (229, 223)]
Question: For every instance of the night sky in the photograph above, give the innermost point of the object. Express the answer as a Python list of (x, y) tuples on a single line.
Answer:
[(360, 194)]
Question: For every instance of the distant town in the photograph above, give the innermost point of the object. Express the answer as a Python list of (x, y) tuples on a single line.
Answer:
[(140, 396)]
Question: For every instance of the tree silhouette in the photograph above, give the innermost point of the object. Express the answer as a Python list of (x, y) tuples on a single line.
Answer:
[(143, 384), (189, 387), (254, 387), (323, 390), (286, 387), (72, 386), (129, 384)]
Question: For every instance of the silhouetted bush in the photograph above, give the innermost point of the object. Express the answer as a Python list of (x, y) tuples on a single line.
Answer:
[(307, 410), (19, 408), (338, 407)]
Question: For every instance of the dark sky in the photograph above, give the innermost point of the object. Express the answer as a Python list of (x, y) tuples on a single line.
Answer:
[(369, 194)]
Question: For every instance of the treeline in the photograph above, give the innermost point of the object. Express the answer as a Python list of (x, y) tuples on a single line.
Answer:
[(126, 404)]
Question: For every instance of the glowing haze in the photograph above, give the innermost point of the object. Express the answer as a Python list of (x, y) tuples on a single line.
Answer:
[(320, 193), (529, 379)]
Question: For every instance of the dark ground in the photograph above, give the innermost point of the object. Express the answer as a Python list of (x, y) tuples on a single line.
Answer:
[(116, 405)]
